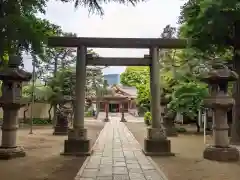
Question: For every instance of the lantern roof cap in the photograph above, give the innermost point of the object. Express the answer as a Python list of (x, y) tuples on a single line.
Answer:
[(13, 72), (219, 73)]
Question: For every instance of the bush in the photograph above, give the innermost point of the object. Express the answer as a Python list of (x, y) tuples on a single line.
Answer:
[(187, 98), (41, 121), (88, 114), (147, 118), (36, 121), (181, 130)]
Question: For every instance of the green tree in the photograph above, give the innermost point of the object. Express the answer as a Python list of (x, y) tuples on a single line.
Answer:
[(54, 59), (187, 99), (96, 6), (214, 26), (133, 76), (21, 30)]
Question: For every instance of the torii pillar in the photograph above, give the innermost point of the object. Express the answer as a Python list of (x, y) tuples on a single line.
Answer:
[(77, 142), (156, 142)]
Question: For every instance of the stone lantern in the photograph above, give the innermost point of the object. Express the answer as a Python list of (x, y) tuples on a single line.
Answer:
[(220, 102), (168, 117), (11, 101), (61, 127)]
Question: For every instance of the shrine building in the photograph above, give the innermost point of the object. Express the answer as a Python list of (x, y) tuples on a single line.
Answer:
[(121, 97)]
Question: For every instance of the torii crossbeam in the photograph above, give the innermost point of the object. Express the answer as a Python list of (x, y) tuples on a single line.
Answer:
[(94, 42)]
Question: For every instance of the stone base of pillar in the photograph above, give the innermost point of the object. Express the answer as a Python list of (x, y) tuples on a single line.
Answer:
[(74, 147), (221, 154), (77, 144), (11, 153), (156, 143), (60, 130)]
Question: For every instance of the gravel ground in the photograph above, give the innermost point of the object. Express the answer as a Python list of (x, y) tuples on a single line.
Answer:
[(188, 164), (43, 160)]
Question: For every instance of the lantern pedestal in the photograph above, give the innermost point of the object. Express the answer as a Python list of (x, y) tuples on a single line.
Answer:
[(221, 154), (11, 153)]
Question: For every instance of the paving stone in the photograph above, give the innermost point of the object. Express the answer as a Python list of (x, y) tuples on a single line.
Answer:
[(133, 166), (131, 161), (120, 170), (92, 166), (135, 176), (119, 164), (144, 163), (135, 170), (105, 178), (118, 156), (89, 173), (104, 173), (147, 167), (120, 153), (153, 175), (118, 159), (121, 177), (106, 161), (105, 166)]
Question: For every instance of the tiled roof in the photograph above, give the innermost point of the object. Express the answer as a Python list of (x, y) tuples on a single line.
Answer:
[(132, 91)]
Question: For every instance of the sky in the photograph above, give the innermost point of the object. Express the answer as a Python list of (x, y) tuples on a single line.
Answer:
[(146, 20)]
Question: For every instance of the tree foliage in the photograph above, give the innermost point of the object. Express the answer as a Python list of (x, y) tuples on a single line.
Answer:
[(211, 23), (95, 6), (187, 98), (179, 71), (21, 30), (134, 76), (55, 58)]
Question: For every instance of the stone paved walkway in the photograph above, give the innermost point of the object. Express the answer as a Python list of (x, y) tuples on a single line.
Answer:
[(118, 156)]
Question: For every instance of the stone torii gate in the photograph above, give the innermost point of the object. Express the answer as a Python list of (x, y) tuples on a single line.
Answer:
[(156, 142)]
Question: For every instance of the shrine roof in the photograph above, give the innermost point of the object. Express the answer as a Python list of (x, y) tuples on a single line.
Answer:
[(128, 91)]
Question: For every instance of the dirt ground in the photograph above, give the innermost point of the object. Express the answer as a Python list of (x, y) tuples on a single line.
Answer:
[(188, 164), (43, 160)]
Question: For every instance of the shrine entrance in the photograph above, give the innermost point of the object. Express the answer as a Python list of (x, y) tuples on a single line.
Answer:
[(113, 107), (156, 142)]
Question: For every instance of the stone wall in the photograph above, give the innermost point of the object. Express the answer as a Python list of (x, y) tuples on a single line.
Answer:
[(40, 110)]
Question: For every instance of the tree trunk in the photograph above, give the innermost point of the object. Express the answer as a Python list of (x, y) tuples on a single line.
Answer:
[(98, 95), (49, 112), (54, 106), (24, 114), (198, 126), (235, 130)]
